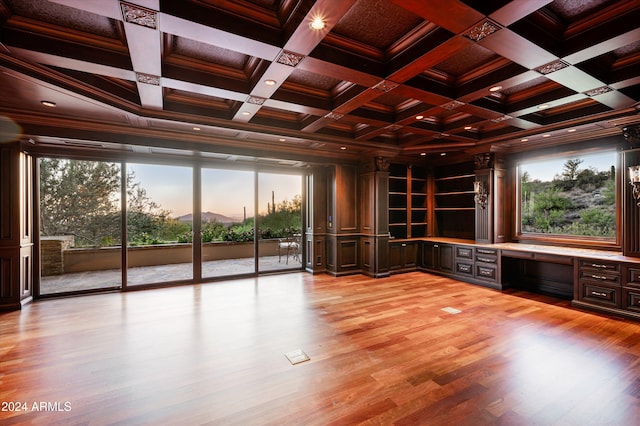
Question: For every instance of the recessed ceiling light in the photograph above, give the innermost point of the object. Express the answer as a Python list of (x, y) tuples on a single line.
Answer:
[(282, 140), (443, 154), (343, 148), (571, 130), (419, 117), (246, 113), (196, 128), (524, 140), (546, 136), (423, 154), (495, 88), (270, 82), (317, 23), (48, 104), (468, 127), (545, 106)]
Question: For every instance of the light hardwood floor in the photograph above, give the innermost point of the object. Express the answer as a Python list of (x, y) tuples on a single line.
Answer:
[(382, 352)]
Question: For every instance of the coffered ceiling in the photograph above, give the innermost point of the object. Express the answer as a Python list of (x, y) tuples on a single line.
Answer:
[(381, 77)]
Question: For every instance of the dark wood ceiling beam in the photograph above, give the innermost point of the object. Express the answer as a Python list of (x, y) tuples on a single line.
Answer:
[(144, 51), (603, 47), (429, 59), (515, 10), (203, 89), (516, 48), (74, 64), (296, 107), (428, 98), (618, 19), (453, 15), (428, 43), (302, 42), (199, 21), (38, 43)]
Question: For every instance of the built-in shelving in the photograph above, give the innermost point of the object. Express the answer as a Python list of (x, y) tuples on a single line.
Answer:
[(408, 201), (454, 201)]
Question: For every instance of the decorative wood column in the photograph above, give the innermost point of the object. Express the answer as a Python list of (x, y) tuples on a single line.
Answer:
[(374, 217), (491, 202), (16, 227), (316, 220), (483, 187), (630, 207)]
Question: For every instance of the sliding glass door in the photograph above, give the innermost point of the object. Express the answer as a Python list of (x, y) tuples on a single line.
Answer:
[(228, 206), (159, 224), (80, 223), (279, 221)]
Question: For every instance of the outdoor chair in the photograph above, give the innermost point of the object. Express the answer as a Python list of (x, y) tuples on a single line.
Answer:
[(289, 246)]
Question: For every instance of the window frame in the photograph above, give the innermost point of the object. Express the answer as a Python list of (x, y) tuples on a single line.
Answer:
[(580, 241)]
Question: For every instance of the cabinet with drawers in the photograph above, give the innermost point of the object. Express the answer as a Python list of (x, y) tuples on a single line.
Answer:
[(599, 282), (464, 260), (631, 289), (486, 264)]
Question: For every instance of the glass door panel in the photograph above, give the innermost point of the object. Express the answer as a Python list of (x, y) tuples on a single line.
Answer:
[(159, 223), (80, 226), (279, 221), (228, 207)]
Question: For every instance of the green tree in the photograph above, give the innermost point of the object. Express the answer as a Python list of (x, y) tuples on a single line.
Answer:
[(571, 169), (80, 198)]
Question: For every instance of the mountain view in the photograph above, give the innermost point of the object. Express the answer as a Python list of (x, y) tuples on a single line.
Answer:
[(209, 217)]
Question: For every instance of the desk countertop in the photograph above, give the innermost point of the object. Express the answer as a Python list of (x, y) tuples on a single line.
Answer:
[(536, 248)]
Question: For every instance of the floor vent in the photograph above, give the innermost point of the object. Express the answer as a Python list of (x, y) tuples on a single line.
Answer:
[(297, 356)]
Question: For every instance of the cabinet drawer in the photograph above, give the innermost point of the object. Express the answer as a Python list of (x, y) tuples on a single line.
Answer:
[(600, 295), (492, 252), (603, 277), (464, 252), (631, 300), (486, 272), (633, 277), (464, 268), (599, 265), (486, 258)]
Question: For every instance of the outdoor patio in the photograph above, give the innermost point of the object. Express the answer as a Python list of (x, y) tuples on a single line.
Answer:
[(162, 273)]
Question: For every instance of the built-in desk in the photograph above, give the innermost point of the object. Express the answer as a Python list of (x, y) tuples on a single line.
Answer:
[(599, 280)]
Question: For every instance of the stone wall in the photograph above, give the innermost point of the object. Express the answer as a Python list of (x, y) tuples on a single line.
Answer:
[(52, 254)]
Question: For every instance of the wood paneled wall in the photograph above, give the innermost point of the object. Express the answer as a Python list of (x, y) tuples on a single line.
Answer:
[(16, 227)]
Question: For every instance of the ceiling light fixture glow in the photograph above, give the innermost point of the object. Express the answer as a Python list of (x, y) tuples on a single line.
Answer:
[(246, 113), (495, 88), (545, 106), (196, 128), (270, 82), (343, 148), (49, 104), (419, 117), (524, 140), (546, 136), (317, 23)]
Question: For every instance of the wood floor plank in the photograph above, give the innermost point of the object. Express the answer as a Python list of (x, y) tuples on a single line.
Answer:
[(383, 351)]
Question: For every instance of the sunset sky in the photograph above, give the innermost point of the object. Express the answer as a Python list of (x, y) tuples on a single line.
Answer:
[(226, 192)]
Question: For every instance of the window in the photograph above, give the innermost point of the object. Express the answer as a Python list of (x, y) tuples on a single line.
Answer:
[(571, 197)]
